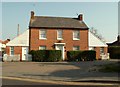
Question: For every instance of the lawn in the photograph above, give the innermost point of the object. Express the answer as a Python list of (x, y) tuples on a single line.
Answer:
[(110, 68)]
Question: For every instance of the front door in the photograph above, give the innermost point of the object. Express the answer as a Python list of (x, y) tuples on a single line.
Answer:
[(60, 47), (24, 53)]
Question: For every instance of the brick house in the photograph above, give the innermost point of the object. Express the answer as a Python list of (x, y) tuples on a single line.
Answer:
[(57, 33), (18, 48)]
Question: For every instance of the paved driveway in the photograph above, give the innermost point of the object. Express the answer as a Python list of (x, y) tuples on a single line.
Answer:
[(59, 71)]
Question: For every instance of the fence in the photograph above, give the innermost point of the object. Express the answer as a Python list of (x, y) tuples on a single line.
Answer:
[(105, 56), (11, 57)]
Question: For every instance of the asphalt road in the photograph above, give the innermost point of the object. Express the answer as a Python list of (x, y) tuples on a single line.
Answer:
[(20, 83)]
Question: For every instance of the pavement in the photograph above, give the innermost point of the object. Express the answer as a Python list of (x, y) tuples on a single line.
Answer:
[(29, 83), (86, 71)]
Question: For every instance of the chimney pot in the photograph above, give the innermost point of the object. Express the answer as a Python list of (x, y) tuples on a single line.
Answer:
[(80, 17), (8, 39), (32, 14)]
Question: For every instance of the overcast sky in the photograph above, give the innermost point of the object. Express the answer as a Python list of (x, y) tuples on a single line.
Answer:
[(103, 16)]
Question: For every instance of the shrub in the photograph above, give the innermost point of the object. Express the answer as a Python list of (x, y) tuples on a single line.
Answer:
[(53, 55), (89, 55), (114, 52), (46, 55), (81, 55), (32, 52), (74, 55)]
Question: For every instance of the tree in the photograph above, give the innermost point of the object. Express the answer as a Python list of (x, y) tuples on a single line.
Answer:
[(95, 32)]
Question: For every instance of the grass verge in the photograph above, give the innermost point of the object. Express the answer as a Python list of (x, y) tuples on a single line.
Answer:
[(110, 68)]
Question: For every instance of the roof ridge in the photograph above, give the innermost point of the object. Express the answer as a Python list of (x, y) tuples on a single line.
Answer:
[(63, 22), (56, 17)]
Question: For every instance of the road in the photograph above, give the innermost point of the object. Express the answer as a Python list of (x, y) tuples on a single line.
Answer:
[(20, 83)]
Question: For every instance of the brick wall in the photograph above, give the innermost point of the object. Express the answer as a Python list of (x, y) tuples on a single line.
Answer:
[(97, 49), (35, 42), (17, 50)]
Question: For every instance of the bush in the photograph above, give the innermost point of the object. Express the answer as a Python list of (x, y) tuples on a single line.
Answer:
[(81, 55), (89, 55), (53, 55), (46, 55), (74, 55), (114, 52), (32, 52)]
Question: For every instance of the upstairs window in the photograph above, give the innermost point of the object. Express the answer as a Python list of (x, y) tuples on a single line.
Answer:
[(76, 35), (11, 50), (76, 48), (42, 48), (59, 34), (43, 34)]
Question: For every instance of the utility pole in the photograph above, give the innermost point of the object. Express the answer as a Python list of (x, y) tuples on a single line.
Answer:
[(18, 30)]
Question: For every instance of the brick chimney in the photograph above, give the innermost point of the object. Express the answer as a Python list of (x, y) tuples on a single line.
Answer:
[(32, 14), (6, 41), (80, 17)]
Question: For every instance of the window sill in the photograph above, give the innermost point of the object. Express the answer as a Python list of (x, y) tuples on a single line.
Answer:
[(75, 39), (59, 39), (43, 38)]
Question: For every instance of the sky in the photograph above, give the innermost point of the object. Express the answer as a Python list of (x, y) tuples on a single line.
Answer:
[(103, 16)]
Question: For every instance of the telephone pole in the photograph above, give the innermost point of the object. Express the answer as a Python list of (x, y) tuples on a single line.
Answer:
[(18, 30)]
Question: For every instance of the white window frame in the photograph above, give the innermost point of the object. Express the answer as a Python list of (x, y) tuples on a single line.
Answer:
[(78, 36), (45, 34), (42, 47), (74, 48), (11, 49), (92, 48), (102, 50), (59, 34)]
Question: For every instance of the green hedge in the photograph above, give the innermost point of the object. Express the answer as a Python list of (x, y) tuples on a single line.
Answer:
[(114, 52), (81, 55), (46, 55)]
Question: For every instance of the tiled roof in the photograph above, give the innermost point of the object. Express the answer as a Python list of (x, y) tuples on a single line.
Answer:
[(116, 43), (21, 40), (57, 22)]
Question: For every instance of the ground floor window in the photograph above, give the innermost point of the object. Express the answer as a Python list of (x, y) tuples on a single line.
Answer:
[(75, 48), (42, 48), (11, 50), (102, 50)]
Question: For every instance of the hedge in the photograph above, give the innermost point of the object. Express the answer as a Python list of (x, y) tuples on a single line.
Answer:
[(46, 55), (114, 52), (81, 55)]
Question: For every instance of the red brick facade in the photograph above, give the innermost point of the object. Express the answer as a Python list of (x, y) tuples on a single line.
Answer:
[(17, 51), (97, 49), (35, 42)]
